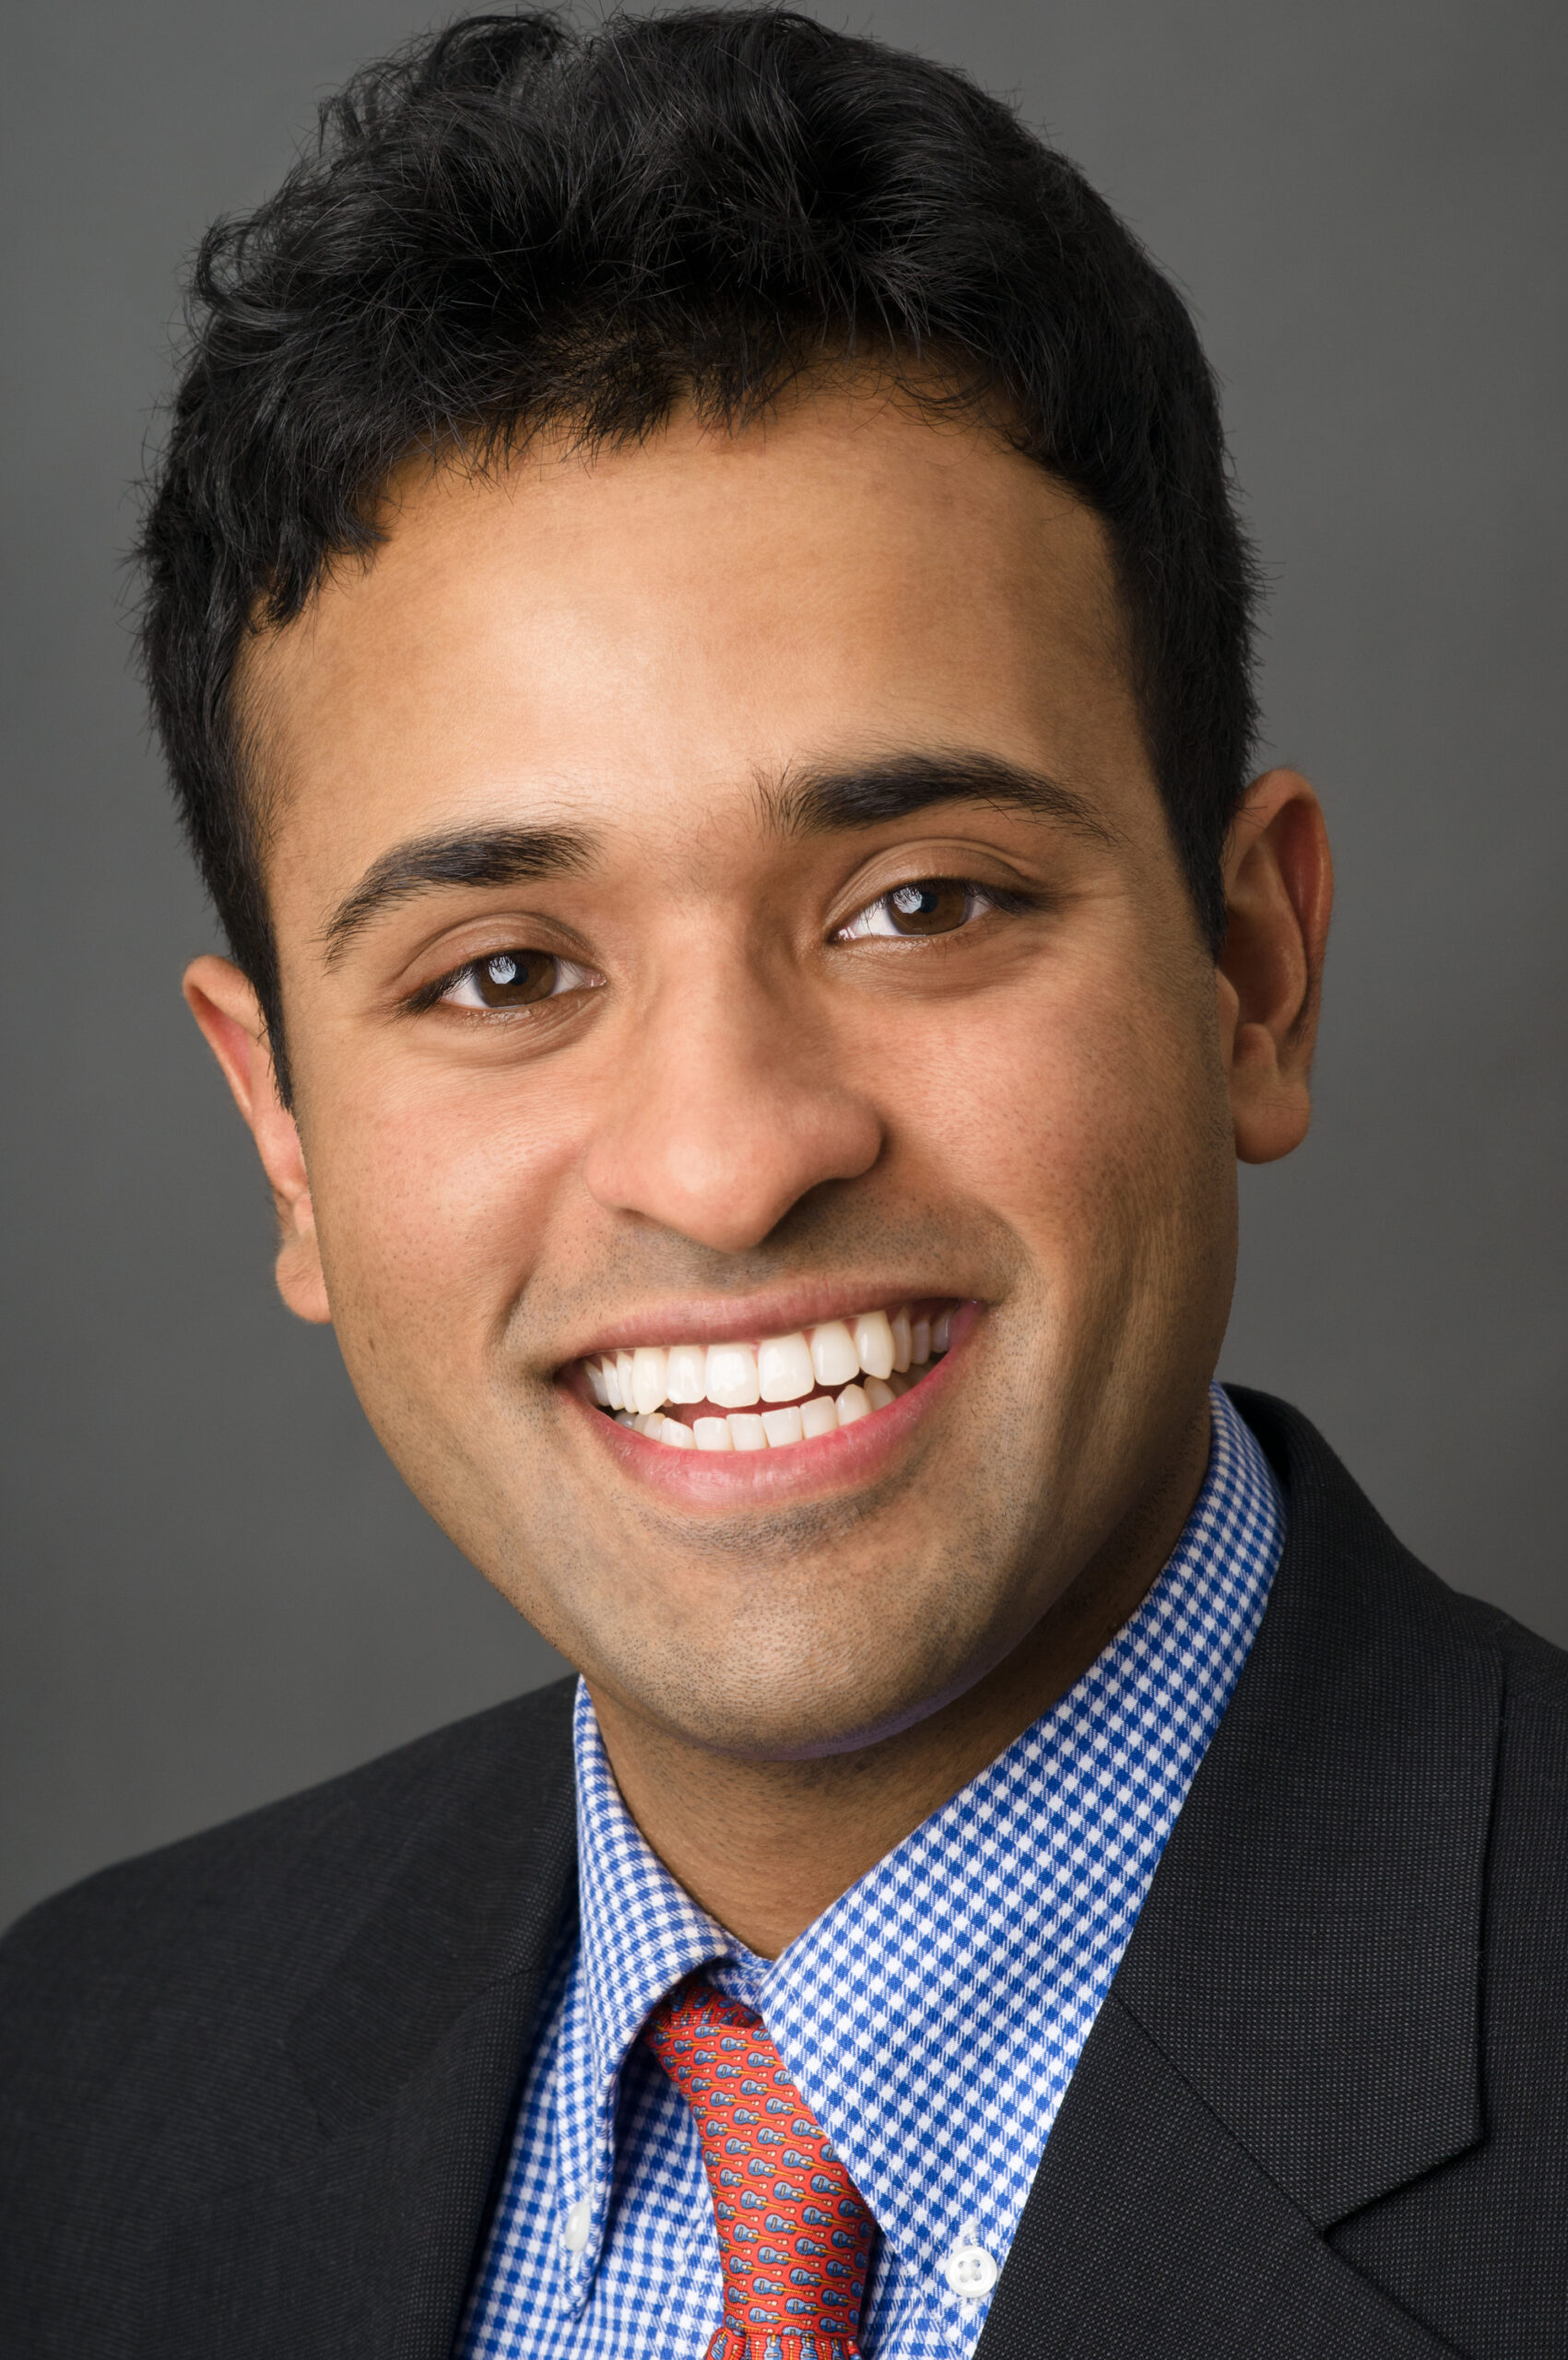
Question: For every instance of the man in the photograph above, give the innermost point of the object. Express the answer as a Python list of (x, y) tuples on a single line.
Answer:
[(701, 636)]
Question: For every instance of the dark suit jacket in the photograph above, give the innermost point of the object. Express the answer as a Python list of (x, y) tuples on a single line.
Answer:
[(256, 2086)]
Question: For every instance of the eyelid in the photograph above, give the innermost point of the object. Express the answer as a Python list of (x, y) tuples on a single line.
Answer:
[(480, 935)]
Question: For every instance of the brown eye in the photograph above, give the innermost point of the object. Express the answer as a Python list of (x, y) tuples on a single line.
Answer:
[(516, 979), (936, 906), (930, 905), (512, 978)]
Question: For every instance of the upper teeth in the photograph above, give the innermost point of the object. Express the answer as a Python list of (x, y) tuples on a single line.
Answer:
[(779, 1369)]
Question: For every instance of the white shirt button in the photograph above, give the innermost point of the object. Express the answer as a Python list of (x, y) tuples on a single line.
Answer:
[(579, 2221), (969, 2270)]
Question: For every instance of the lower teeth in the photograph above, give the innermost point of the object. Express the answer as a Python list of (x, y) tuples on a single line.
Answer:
[(773, 1429)]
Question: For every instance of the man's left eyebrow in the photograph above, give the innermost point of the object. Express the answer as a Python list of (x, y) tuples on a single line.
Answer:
[(900, 786), (469, 856)]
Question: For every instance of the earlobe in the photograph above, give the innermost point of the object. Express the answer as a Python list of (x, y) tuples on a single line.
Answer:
[(224, 1003), (1279, 891)]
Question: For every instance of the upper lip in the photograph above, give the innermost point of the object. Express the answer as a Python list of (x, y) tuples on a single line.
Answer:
[(738, 1319)]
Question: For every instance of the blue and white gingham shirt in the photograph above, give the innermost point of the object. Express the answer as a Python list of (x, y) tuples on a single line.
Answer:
[(931, 2018)]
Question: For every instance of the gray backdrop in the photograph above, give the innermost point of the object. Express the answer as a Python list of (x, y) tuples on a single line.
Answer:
[(216, 1589)]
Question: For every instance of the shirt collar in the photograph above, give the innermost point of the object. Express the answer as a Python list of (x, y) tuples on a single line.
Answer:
[(639, 1933), (996, 1925)]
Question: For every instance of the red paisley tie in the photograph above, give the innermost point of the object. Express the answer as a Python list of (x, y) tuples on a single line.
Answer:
[(794, 2236)]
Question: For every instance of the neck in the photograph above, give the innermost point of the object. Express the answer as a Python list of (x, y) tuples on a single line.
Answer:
[(765, 1845)]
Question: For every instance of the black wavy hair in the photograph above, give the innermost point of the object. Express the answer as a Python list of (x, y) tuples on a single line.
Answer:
[(512, 225)]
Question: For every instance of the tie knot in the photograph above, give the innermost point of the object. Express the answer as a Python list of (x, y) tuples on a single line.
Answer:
[(794, 2235)]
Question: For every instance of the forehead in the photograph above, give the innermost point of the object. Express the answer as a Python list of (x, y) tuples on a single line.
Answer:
[(676, 620)]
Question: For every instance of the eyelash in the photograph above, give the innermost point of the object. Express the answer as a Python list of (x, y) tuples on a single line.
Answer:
[(444, 988), (979, 899)]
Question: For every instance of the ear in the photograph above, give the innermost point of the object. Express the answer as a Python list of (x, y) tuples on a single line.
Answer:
[(225, 1005), (1279, 891)]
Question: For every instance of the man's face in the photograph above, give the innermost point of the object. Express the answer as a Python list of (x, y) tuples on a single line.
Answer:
[(721, 891)]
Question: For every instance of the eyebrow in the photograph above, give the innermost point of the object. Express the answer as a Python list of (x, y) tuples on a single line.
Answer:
[(471, 856), (868, 795), (805, 802)]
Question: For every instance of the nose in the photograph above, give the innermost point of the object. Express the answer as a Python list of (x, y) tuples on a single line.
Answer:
[(732, 1108)]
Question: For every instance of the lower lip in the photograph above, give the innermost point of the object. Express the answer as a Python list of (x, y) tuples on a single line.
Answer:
[(841, 1461)]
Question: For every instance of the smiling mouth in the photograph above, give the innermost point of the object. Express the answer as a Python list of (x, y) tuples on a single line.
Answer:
[(778, 1390)]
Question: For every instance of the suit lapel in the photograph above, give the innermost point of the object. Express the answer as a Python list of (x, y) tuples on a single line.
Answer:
[(1150, 2234), (408, 2054), (1293, 2030)]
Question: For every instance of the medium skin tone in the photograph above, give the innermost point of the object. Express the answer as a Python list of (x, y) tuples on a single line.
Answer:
[(667, 727)]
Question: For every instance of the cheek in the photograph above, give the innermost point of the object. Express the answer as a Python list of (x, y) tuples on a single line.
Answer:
[(432, 1210), (1082, 1113)]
